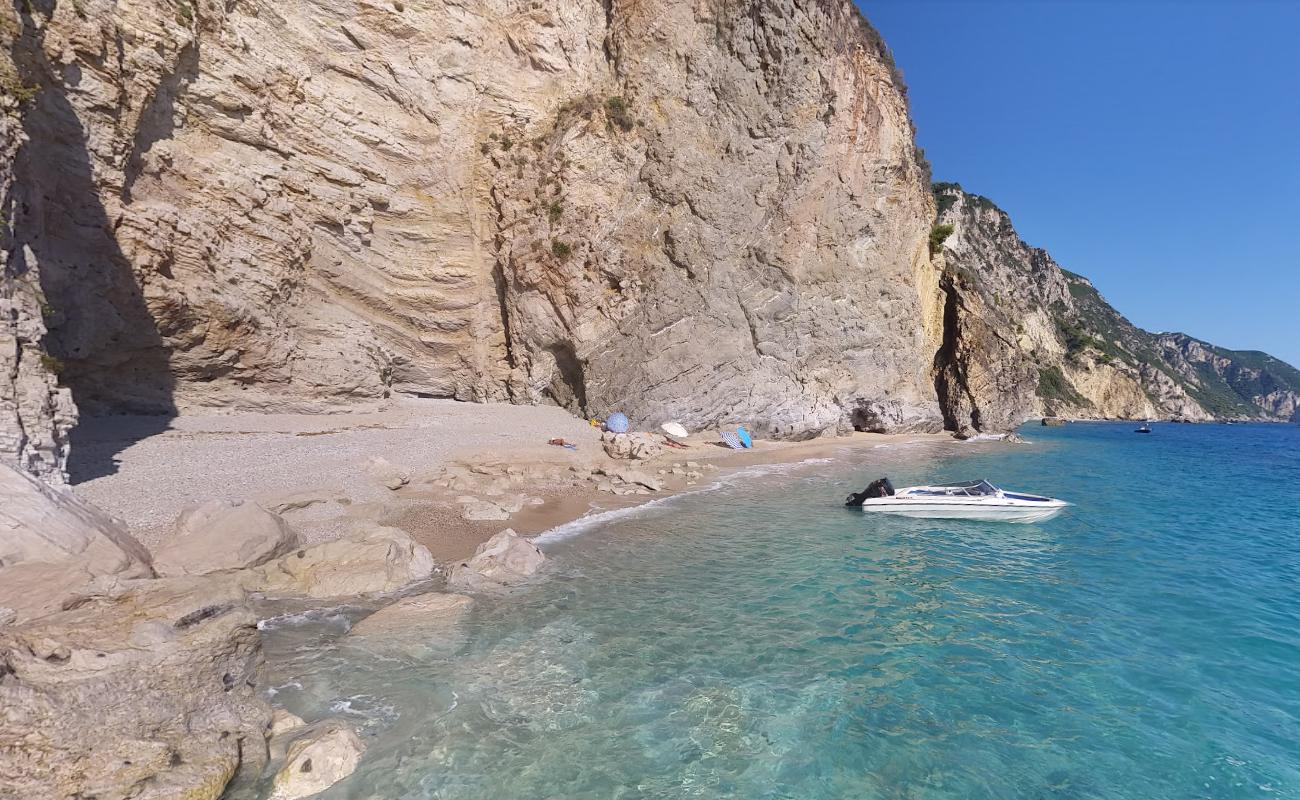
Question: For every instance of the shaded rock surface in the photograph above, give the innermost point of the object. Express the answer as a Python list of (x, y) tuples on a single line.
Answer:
[(504, 560), (374, 560), (54, 548), (35, 412), (149, 695), (220, 536)]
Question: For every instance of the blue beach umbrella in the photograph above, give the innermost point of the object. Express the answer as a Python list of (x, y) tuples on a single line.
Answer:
[(617, 422)]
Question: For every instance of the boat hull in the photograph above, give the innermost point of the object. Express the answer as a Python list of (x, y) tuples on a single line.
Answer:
[(928, 509)]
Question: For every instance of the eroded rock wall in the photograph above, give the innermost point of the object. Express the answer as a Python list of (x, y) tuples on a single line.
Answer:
[(36, 414), (706, 211)]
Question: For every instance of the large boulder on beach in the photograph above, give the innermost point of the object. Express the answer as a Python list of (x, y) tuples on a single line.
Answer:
[(55, 548), (222, 535), (638, 446), (316, 760), (151, 694), (414, 625), (504, 560), (373, 560)]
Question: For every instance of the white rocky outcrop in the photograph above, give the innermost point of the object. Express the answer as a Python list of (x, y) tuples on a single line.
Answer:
[(55, 548), (221, 535), (504, 560), (319, 758), (373, 560), (148, 695)]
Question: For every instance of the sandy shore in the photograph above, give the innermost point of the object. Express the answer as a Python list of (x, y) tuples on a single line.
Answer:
[(314, 468)]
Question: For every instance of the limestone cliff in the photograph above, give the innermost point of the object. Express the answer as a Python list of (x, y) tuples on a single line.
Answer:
[(1025, 337), (709, 211), (35, 413)]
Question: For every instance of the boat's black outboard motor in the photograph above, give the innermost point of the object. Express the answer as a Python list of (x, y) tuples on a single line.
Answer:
[(877, 488)]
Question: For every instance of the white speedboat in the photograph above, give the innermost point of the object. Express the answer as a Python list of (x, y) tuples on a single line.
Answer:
[(970, 500)]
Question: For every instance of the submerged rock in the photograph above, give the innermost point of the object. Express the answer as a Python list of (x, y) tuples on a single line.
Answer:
[(220, 535), (414, 625), (504, 560), (283, 722), (374, 560), (55, 548), (317, 760), (149, 695)]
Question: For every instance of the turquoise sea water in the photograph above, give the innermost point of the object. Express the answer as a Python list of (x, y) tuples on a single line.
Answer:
[(761, 641)]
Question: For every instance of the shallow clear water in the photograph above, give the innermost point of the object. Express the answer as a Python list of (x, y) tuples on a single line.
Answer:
[(761, 641)]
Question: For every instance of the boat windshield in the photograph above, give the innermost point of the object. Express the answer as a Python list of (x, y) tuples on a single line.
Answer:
[(978, 488)]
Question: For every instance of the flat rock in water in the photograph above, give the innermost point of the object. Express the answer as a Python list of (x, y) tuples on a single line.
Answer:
[(220, 535), (414, 625)]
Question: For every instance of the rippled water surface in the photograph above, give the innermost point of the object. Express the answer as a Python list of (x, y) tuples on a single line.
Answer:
[(761, 641)]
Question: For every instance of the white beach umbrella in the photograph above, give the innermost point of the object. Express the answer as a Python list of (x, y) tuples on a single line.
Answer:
[(674, 430)]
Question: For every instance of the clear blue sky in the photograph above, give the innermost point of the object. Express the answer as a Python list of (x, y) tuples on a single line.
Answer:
[(1153, 147)]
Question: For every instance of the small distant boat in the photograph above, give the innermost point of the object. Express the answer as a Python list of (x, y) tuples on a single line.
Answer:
[(979, 500), (1146, 428)]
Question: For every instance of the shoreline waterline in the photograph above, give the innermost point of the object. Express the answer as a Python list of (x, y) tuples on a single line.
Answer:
[(760, 640)]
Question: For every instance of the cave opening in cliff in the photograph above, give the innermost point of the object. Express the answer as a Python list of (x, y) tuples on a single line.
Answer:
[(571, 391)]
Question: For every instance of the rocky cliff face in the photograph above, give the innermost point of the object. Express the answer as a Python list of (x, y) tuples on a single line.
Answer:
[(704, 211), (1026, 337), (1239, 384), (35, 414)]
